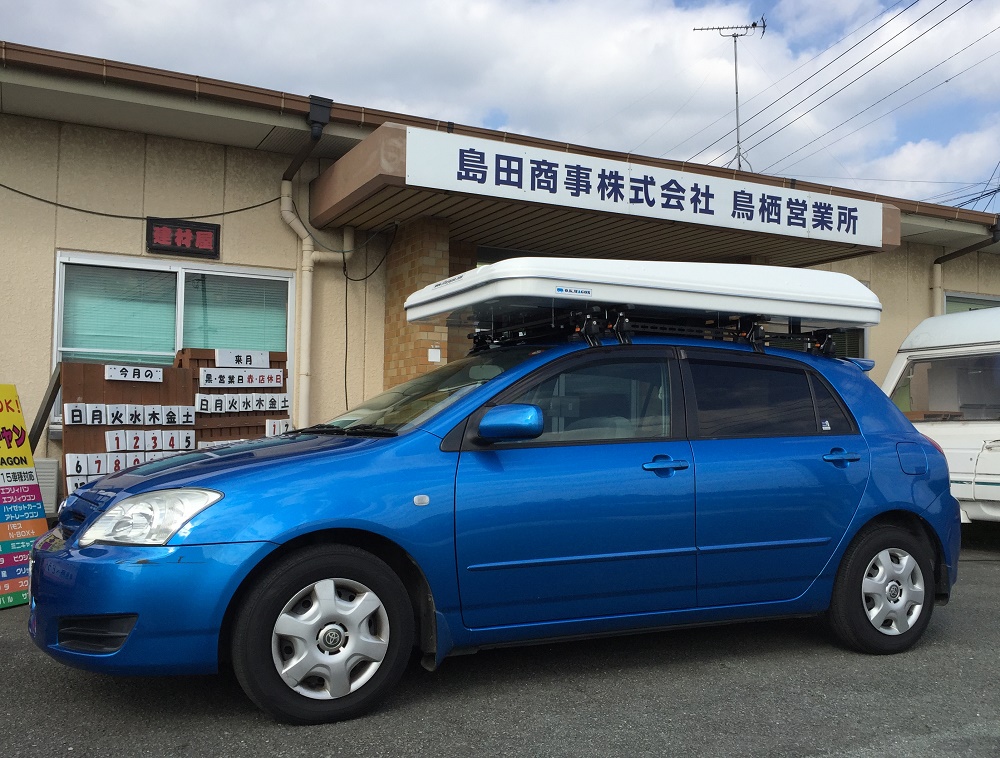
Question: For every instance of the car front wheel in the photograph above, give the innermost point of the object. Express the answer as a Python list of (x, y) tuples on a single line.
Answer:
[(884, 593), (323, 635)]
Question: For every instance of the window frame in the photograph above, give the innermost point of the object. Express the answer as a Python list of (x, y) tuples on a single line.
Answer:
[(662, 353), (757, 361), (927, 416), (985, 301), (180, 268)]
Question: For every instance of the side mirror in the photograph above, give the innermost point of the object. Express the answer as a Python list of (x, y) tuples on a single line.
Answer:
[(511, 422)]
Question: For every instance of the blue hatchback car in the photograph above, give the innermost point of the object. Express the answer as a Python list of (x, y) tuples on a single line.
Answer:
[(525, 492)]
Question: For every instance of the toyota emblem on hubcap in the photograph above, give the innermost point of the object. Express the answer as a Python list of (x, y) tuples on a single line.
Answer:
[(332, 638)]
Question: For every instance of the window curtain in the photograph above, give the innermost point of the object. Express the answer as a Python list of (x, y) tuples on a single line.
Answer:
[(118, 314), (235, 312)]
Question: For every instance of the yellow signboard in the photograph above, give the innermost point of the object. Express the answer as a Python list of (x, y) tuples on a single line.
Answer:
[(22, 513)]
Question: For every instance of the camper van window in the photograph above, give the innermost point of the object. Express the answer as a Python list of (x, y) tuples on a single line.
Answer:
[(966, 388)]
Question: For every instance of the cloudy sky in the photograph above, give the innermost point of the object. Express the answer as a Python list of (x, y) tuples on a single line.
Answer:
[(900, 98)]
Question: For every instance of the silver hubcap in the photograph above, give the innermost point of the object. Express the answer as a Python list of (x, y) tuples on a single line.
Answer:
[(330, 638), (893, 591)]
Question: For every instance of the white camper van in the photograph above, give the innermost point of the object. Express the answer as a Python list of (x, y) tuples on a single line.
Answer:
[(946, 379)]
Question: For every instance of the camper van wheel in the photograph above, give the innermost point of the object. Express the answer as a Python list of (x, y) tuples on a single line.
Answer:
[(323, 636), (884, 593)]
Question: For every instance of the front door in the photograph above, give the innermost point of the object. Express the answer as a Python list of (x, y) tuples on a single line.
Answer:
[(595, 518)]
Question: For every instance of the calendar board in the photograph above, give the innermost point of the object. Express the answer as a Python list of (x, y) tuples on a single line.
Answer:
[(116, 417)]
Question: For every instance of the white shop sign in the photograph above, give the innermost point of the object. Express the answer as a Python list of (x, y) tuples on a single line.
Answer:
[(456, 163), (242, 359), (241, 377), (132, 373)]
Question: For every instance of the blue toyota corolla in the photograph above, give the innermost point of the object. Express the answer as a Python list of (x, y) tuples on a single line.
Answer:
[(522, 493)]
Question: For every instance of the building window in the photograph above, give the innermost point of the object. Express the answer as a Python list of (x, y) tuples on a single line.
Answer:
[(116, 313), (960, 303), (235, 312)]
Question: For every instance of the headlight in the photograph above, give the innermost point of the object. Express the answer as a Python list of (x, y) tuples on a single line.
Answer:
[(151, 518)]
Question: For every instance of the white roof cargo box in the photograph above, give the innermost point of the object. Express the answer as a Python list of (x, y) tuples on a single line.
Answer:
[(820, 299)]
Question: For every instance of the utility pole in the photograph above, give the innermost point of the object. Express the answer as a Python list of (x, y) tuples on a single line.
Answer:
[(736, 32)]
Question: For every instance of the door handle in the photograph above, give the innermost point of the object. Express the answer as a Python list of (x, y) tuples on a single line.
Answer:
[(840, 457), (664, 465)]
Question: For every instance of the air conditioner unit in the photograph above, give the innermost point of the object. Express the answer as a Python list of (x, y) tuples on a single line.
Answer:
[(47, 470)]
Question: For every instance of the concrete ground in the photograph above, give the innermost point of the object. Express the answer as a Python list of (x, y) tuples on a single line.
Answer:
[(764, 689)]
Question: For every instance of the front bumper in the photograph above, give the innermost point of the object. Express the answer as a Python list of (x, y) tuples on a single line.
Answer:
[(135, 610)]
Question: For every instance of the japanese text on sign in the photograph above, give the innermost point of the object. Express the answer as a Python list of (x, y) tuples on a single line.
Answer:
[(242, 359), (486, 167), (22, 512), (178, 236), (241, 377), (132, 373)]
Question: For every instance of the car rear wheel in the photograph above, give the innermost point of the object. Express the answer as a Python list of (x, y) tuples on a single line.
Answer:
[(323, 636), (884, 593)]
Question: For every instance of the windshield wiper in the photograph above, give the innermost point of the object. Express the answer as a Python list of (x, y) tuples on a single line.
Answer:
[(357, 430), (367, 430), (320, 429)]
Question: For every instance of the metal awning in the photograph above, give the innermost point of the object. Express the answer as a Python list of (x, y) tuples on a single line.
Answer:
[(368, 189)]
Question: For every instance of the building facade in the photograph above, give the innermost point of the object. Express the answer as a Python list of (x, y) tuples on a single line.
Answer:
[(329, 215)]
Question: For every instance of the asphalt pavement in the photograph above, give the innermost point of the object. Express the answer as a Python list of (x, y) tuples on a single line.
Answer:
[(778, 688)]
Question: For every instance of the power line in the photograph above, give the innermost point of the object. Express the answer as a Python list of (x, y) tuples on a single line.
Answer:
[(863, 74), (790, 73), (995, 168), (131, 218), (823, 68), (886, 97), (893, 110)]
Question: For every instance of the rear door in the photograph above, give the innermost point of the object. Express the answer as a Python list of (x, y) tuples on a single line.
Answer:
[(781, 471)]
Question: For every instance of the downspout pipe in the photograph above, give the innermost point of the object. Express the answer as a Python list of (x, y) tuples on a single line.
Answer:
[(937, 272), (319, 117)]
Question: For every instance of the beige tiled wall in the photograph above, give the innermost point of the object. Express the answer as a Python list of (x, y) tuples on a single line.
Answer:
[(902, 281), (420, 255)]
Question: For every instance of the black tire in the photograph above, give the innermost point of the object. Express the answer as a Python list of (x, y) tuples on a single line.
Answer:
[(340, 609), (884, 593)]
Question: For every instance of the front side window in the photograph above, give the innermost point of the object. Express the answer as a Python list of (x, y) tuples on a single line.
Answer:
[(965, 388), (611, 399)]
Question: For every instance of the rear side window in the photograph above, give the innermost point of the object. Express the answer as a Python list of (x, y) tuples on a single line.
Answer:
[(742, 399)]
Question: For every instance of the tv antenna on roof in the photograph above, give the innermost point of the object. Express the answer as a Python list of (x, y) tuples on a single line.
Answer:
[(736, 32)]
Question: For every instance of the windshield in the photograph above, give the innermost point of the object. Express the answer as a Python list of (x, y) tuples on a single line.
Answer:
[(413, 402), (965, 388)]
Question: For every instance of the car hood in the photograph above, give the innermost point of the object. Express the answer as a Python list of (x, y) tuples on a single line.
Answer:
[(199, 467)]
